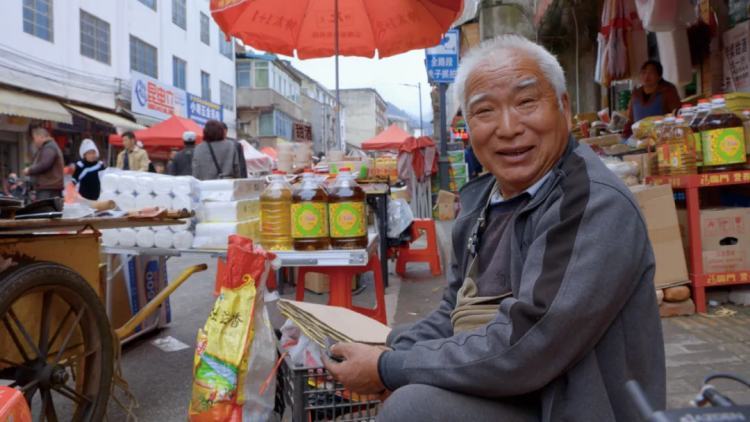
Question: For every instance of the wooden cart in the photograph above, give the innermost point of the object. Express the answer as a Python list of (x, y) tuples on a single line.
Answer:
[(57, 345)]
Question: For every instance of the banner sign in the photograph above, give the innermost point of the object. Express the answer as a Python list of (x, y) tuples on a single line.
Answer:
[(155, 99), (202, 111)]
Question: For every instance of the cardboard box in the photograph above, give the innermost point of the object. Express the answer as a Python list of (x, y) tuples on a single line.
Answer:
[(658, 209), (716, 227), (319, 283), (725, 236)]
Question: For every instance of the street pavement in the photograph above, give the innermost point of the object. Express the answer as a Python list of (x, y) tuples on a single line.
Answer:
[(161, 380)]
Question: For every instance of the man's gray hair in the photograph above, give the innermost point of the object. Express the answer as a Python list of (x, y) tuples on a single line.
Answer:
[(495, 52)]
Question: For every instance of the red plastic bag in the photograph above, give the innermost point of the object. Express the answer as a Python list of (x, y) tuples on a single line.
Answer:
[(230, 272)]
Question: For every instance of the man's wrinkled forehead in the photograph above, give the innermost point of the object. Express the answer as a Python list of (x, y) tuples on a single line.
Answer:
[(518, 85), (512, 70)]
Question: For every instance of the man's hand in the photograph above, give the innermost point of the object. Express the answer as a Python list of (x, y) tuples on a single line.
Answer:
[(359, 370)]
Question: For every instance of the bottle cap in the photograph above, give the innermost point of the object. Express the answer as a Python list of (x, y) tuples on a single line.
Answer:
[(345, 169), (679, 120), (669, 119)]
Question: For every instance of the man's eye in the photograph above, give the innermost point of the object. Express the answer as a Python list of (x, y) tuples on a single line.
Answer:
[(526, 102), (483, 110)]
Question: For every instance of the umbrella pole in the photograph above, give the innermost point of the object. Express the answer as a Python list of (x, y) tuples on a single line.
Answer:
[(338, 98)]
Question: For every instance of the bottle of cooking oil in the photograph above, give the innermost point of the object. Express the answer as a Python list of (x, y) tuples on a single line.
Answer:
[(722, 139), (681, 147), (347, 213), (654, 138), (310, 215), (702, 110), (746, 123), (275, 222), (662, 147)]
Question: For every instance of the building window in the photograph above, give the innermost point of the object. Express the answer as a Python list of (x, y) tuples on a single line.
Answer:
[(179, 13), (265, 125), (150, 3), (94, 38), (143, 57), (244, 69), (37, 18), (179, 72), (205, 86), (226, 93), (205, 34), (225, 45), (261, 74)]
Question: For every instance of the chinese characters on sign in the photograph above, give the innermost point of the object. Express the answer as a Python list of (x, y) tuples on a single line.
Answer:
[(155, 99), (737, 58), (202, 111), (442, 60), (152, 98)]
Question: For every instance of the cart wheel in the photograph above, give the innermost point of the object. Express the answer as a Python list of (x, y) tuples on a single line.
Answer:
[(57, 342)]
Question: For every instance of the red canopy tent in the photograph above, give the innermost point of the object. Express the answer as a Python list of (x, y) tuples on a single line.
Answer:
[(389, 139), (165, 135)]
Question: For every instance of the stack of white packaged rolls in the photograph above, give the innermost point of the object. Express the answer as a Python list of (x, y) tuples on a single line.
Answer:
[(133, 191), (228, 207)]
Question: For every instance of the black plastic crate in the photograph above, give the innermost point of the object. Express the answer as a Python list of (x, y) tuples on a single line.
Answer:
[(311, 395)]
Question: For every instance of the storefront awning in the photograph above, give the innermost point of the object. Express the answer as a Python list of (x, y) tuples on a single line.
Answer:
[(16, 103), (111, 118)]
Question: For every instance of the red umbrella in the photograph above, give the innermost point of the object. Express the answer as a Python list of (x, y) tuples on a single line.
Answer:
[(307, 27), (324, 28), (390, 139)]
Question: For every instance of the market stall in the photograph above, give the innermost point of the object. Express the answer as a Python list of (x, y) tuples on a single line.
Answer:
[(688, 165), (161, 138)]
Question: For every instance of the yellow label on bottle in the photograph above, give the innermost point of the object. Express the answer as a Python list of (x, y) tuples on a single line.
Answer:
[(723, 146), (347, 219), (698, 149), (309, 220)]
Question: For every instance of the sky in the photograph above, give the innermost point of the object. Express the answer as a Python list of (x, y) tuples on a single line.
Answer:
[(385, 75)]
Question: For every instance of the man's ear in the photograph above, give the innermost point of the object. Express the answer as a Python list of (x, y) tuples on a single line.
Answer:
[(565, 104)]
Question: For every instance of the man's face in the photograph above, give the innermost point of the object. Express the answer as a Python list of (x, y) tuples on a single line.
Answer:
[(128, 142), (649, 76), (518, 131)]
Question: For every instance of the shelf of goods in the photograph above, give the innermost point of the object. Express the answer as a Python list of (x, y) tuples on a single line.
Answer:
[(692, 184)]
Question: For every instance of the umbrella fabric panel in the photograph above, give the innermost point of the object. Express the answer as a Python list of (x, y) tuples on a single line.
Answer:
[(307, 27)]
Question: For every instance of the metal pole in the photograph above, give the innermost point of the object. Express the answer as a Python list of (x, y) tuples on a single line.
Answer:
[(421, 129), (443, 162), (338, 97)]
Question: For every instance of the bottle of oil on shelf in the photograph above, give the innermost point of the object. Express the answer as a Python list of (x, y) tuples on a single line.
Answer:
[(701, 111), (347, 213), (680, 149), (310, 215), (723, 139), (275, 223)]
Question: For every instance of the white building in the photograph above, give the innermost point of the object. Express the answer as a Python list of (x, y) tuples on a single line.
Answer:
[(364, 112), (84, 53)]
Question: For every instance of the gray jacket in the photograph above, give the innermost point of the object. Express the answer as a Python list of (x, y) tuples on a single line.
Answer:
[(204, 167), (583, 318)]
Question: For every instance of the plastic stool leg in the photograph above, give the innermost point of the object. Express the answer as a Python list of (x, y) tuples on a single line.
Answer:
[(301, 273), (341, 288)]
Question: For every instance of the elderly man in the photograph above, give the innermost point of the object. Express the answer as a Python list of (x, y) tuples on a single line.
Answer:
[(132, 157), (551, 305), (47, 168)]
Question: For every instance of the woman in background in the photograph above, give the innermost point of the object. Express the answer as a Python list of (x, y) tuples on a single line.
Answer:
[(655, 96)]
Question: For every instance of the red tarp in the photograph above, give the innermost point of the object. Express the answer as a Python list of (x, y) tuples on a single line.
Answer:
[(413, 143), (389, 139), (165, 135)]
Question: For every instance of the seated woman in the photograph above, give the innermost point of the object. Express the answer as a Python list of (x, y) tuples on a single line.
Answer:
[(655, 96)]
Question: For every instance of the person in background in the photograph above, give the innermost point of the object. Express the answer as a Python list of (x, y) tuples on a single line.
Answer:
[(655, 96), (47, 168), (182, 162), (86, 174), (159, 167), (240, 152), (132, 157), (216, 157)]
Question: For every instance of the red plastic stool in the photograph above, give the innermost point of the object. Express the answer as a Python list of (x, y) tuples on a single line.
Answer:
[(13, 406), (341, 286), (430, 254)]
